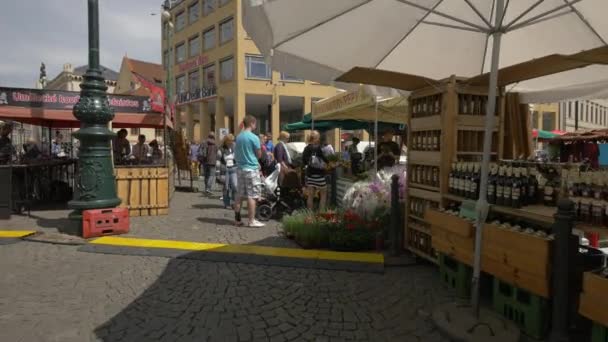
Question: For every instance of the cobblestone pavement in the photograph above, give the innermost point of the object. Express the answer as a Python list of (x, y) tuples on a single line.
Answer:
[(192, 217), (55, 293)]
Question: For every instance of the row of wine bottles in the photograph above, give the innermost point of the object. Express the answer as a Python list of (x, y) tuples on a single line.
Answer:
[(472, 104), (509, 184), (426, 106), (426, 141), (589, 192), (425, 175), (418, 206)]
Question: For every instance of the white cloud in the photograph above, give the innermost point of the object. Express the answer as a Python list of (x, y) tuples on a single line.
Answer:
[(55, 31)]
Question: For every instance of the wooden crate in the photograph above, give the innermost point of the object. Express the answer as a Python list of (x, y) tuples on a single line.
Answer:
[(143, 190), (525, 244), (593, 301), (450, 223)]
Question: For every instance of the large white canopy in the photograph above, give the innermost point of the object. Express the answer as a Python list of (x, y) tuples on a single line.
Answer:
[(321, 39)]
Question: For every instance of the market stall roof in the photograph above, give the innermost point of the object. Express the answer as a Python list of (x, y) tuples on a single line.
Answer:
[(324, 125), (541, 134), (54, 108), (359, 105), (596, 134)]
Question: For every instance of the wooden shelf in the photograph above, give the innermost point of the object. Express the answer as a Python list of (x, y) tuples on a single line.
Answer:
[(538, 213), (425, 187), (419, 219), (426, 123), (420, 229), (463, 153), (425, 194), (432, 158), (423, 255)]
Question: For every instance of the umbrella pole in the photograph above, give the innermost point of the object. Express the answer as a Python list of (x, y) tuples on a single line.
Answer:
[(376, 139), (482, 207)]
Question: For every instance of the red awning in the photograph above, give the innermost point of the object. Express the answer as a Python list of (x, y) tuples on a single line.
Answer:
[(65, 119)]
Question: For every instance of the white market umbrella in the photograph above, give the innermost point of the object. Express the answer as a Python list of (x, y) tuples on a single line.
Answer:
[(321, 39)]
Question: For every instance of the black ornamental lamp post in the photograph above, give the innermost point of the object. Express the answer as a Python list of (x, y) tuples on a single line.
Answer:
[(95, 183)]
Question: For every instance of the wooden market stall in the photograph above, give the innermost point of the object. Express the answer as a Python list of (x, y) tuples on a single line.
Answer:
[(144, 189)]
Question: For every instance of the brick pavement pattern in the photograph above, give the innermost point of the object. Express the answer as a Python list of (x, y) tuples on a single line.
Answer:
[(54, 293)]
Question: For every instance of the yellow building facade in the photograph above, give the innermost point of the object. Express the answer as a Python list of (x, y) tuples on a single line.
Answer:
[(218, 75)]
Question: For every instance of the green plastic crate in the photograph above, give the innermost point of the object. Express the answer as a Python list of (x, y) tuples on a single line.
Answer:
[(599, 333), (455, 275), (528, 311)]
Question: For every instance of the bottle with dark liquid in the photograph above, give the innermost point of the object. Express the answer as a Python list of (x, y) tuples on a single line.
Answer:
[(524, 184), (533, 186), (500, 185), (435, 177), (597, 205), (508, 187), (459, 180), (492, 178), (586, 199), (516, 188), (469, 181), (452, 178), (551, 188), (475, 178)]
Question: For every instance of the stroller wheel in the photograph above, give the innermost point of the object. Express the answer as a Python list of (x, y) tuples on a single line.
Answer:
[(263, 212)]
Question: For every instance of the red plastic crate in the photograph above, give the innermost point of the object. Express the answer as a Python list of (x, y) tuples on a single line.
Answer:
[(101, 222)]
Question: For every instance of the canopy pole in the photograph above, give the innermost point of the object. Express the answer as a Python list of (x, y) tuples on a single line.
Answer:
[(376, 138), (482, 207)]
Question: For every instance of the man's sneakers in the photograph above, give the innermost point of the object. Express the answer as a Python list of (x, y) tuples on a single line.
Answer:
[(256, 224)]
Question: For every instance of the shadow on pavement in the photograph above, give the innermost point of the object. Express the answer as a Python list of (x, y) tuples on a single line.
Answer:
[(217, 221), (208, 206)]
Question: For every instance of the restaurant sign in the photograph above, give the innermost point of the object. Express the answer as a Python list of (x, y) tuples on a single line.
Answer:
[(65, 100), (192, 63), (200, 94)]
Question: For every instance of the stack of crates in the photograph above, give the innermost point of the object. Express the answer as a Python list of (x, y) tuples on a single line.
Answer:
[(528, 311), (455, 275)]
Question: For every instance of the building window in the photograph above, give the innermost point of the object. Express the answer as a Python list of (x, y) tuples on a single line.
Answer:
[(227, 69), (226, 30), (158, 132), (548, 121), (209, 39), (209, 76), (208, 6), (257, 68), (180, 53), (134, 131), (180, 21), (194, 46), (285, 77), (193, 80), (180, 84), (535, 119), (166, 59), (193, 12), (569, 110)]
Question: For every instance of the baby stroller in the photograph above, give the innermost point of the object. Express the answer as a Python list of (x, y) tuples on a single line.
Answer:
[(278, 200)]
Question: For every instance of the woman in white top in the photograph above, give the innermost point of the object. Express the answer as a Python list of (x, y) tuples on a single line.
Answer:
[(225, 155)]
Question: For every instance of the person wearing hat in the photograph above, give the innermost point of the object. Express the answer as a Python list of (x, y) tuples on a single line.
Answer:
[(388, 151)]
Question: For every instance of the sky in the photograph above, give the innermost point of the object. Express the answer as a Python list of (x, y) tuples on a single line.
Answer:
[(55, 32)]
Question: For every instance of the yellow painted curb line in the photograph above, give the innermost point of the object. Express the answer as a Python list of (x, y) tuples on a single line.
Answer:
[(241, 249), (15, 234)]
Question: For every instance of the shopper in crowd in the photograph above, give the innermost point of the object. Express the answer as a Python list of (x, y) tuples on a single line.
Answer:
[(267, 162), (56, 145), (208, 156), (356, 157), (327, 149), (388, 151), (140, 150), (31, 150), (268, 143), (195, 166), (262, 142), (228, 169), (282, 156), (121, 146), (156, 152), (247, 152), (7, 150), (316, 164)]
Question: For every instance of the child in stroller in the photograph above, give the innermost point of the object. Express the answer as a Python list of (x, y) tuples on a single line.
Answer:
[(278, 200)]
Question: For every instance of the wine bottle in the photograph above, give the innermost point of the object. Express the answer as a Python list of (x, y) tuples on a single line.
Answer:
[(459, 180), (516, 188), (508, 187), (524, 185), (475, 178), (492, 178), (549, 189), (435, 182), (467, 180), (533, 186), (500, 185), (597, 204), (452, 177)]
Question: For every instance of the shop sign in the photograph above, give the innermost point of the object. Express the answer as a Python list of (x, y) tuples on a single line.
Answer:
[(65, 100), (193, 63), (195, 95), (341, 102)]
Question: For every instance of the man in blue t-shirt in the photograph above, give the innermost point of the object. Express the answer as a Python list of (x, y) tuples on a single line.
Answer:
[(247, 151)]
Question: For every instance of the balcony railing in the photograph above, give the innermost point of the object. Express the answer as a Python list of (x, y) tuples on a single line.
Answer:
[(195, 95)]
